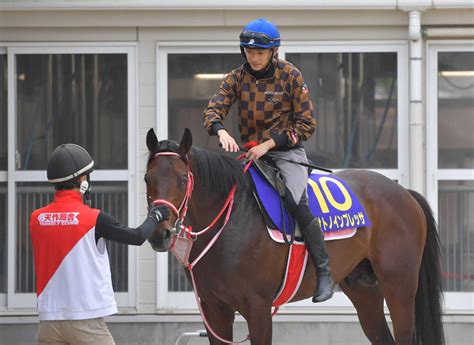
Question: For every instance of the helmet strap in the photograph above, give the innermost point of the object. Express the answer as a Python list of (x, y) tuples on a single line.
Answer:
[(242, 51), (87, 198)]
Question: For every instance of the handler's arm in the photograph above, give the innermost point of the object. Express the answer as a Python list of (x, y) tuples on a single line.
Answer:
[(110, 229)]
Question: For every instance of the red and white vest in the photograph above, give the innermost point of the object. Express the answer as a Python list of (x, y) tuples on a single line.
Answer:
[(73, 279)]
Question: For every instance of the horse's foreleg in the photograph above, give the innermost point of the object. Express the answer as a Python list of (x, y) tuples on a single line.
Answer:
[(221, 320), (259, 321), (368, 302)]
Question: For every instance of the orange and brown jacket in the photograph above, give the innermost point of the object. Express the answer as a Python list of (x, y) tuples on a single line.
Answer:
[(274, 107)]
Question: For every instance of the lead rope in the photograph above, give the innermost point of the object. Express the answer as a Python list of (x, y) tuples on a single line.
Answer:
[(181, 214)]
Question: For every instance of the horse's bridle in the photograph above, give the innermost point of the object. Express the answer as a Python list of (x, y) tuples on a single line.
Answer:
[(182, 210)]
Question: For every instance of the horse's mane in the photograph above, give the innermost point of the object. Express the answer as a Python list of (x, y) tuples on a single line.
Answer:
[(217, 172), (213, 171)]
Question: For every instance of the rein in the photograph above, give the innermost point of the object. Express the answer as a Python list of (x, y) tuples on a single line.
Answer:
[(180, 230)]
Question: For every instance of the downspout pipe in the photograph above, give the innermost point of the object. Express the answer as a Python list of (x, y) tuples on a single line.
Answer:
[(416, 118)]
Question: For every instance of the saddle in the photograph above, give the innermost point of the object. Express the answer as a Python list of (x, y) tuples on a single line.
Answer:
[(330, 199), (268, 169), (265, 174)]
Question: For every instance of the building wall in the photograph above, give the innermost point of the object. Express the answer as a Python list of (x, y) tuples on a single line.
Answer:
[(147, 27)]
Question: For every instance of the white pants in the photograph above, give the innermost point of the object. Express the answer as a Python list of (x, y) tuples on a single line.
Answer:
[(295, 175)]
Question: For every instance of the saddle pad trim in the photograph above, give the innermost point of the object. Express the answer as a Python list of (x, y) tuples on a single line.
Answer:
[(295, 269), (277, 236)]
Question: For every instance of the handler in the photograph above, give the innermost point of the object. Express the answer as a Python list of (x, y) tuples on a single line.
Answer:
[(73, 278)]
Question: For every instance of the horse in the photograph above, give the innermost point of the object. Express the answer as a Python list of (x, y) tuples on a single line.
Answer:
[(395, 259)]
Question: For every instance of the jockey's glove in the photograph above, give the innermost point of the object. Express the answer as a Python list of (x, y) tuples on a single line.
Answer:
[(159, 213)]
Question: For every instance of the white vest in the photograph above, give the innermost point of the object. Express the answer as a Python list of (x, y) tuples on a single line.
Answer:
[(72, 271)]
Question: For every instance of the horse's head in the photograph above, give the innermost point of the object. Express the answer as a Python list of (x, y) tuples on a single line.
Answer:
[(167, 181)]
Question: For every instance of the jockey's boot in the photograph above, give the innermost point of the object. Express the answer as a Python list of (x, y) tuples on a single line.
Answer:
[(314, 240)]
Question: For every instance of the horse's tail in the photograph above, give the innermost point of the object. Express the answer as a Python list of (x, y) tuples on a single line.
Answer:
[(429, 295)]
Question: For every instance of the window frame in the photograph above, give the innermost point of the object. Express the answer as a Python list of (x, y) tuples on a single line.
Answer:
[(4, 179), (185, 301), (455, 302), (27, 301)]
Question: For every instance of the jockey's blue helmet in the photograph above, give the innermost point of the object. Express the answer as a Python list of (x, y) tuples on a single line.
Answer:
[(260, 34)]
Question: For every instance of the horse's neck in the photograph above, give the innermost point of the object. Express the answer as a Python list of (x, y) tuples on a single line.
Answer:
[(204, 207)]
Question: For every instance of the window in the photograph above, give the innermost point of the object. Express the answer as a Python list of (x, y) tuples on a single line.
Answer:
[(192, 81), (77, 98), (450, 123), (355, 101), (78, 95), (455, 110), (359, 107)]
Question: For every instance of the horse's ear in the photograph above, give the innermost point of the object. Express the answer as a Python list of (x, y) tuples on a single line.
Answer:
[(151, 140), (186, 142)]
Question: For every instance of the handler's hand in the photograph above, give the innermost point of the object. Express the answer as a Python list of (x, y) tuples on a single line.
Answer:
[(228, 143), (159, 213), (260, 150)]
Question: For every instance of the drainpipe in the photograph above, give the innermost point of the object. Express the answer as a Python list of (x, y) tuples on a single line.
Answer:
[(416, 119)]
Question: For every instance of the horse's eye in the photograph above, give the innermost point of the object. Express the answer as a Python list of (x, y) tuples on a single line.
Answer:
[(184, 180), (146, 178)]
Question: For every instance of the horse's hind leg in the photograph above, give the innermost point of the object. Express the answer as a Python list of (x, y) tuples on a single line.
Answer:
[(221, 320), (368, 302), (397, 273), (400, 297)]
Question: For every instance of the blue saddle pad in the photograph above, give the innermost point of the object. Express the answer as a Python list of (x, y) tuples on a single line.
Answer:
[(330, 200)]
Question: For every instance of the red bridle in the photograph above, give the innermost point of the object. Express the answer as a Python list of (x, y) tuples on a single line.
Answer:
[(182, 210)]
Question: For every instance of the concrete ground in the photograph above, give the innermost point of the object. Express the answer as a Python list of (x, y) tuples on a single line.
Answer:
[(284, 333)]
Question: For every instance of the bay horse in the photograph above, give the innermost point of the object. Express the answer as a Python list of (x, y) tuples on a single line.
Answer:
[(244, 268)]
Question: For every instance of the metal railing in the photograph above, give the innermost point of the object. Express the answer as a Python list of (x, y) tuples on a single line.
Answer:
[(110, 197), (3, 237), (177, 281), (456, 228)]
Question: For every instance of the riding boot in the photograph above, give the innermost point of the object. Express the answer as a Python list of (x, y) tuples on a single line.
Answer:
[(314, 240)]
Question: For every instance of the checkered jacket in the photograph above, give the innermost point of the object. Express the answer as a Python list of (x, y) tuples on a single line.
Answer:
[(276, 107)]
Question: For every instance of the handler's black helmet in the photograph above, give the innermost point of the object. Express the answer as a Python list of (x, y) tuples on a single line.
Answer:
[(67, 163)]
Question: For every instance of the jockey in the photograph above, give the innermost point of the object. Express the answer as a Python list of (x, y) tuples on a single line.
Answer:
[(73, 278), (275, 111)]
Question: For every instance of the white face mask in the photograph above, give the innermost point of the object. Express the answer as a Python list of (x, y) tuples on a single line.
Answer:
[(84, 187)]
